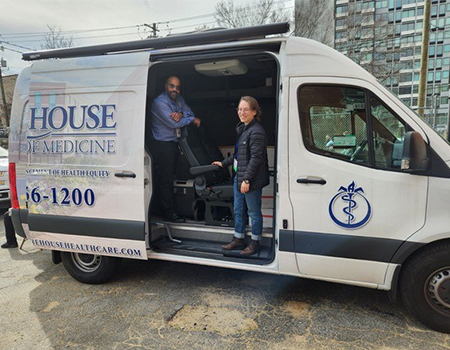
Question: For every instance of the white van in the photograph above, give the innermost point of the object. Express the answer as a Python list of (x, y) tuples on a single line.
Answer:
[(360, 185)]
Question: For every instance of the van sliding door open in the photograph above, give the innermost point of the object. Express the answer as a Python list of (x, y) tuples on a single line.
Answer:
[(85, 141)]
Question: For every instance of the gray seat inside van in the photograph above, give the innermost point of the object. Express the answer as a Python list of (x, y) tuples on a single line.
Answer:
[(213, 187)]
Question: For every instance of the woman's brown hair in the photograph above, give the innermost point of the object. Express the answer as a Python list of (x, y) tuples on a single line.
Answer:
[(254, 105)]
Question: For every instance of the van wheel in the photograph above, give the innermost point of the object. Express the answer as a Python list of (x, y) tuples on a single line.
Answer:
[(425, 287), (90, 268)]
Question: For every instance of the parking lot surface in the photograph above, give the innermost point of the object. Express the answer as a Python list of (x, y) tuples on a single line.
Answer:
[(161, 305)]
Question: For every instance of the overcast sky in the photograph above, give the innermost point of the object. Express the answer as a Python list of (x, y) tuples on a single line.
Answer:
[(22, 22)]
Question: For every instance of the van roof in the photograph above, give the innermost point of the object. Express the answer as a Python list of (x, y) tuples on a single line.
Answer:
[(196, 38)]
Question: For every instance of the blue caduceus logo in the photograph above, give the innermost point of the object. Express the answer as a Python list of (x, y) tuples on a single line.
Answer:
[(349, 205)]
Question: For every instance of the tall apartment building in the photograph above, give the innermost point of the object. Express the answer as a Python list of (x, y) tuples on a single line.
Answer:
[(385, 37)]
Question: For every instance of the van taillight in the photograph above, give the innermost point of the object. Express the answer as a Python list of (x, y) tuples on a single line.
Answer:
[(12, 186)]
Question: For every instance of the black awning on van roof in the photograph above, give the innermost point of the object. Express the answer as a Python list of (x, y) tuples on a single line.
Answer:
[(199, 38)]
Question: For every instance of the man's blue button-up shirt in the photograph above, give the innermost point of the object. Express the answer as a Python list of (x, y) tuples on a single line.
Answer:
[(163, 126)]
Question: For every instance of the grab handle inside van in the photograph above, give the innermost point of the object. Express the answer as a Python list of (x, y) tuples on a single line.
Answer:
[(197, 170)]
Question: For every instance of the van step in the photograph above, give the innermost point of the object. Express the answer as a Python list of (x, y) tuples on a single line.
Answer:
[(205, 247)]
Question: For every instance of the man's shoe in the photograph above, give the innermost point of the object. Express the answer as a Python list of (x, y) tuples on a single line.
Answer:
[(236, 243), (251, 249), (175, 218), (9, 245)]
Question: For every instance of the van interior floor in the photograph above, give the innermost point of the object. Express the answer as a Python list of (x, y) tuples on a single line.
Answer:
[(195, 239)]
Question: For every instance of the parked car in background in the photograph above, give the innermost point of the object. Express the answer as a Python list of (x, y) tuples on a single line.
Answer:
[(4, 180)]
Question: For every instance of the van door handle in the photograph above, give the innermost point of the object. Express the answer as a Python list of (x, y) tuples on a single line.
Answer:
[(307, 180), (125, 173)]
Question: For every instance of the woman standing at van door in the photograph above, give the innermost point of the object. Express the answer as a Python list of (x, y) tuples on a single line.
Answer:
[(251, 166)]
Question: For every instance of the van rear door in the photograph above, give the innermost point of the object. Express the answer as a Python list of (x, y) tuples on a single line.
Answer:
[(85, 174)]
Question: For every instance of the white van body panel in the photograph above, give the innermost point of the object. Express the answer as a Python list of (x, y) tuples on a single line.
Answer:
[(437, 225)]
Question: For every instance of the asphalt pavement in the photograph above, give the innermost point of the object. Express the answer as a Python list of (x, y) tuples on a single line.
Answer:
[(161, 305)]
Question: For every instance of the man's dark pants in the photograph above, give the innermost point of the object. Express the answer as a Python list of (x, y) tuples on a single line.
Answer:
[(9, 229), (165, 154)]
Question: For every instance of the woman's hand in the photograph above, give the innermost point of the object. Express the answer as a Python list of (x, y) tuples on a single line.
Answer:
[(245, 187), (217, 163)]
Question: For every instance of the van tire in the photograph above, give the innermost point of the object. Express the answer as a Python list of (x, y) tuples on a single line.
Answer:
[(425, 286), (90, 268)]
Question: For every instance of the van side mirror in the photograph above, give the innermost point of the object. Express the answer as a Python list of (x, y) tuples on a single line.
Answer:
[(415, 153)]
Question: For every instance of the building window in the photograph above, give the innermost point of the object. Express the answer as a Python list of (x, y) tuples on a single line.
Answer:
[(437, 76), (431, 64), (404, 90), (340, 35), (341, 9), (434, 11), (430, 77), (405, 77), (391, 17), (340, 22), (381, 4), (431, 51)]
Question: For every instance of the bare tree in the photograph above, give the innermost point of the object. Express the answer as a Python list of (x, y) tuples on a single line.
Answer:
[(259, 12), (54, 39), (314, 20)]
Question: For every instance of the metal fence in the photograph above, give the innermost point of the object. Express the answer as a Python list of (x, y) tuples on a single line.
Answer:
[(437, 120)]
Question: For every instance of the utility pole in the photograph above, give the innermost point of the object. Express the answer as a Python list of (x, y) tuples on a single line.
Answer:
[(5, 106), (424, 58), (153, 28)]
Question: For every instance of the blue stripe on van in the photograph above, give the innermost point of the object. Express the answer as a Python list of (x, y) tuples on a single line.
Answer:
[(346, 246), (71, 225)]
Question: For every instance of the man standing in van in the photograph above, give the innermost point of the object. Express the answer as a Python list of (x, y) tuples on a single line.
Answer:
[(169, 113)]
